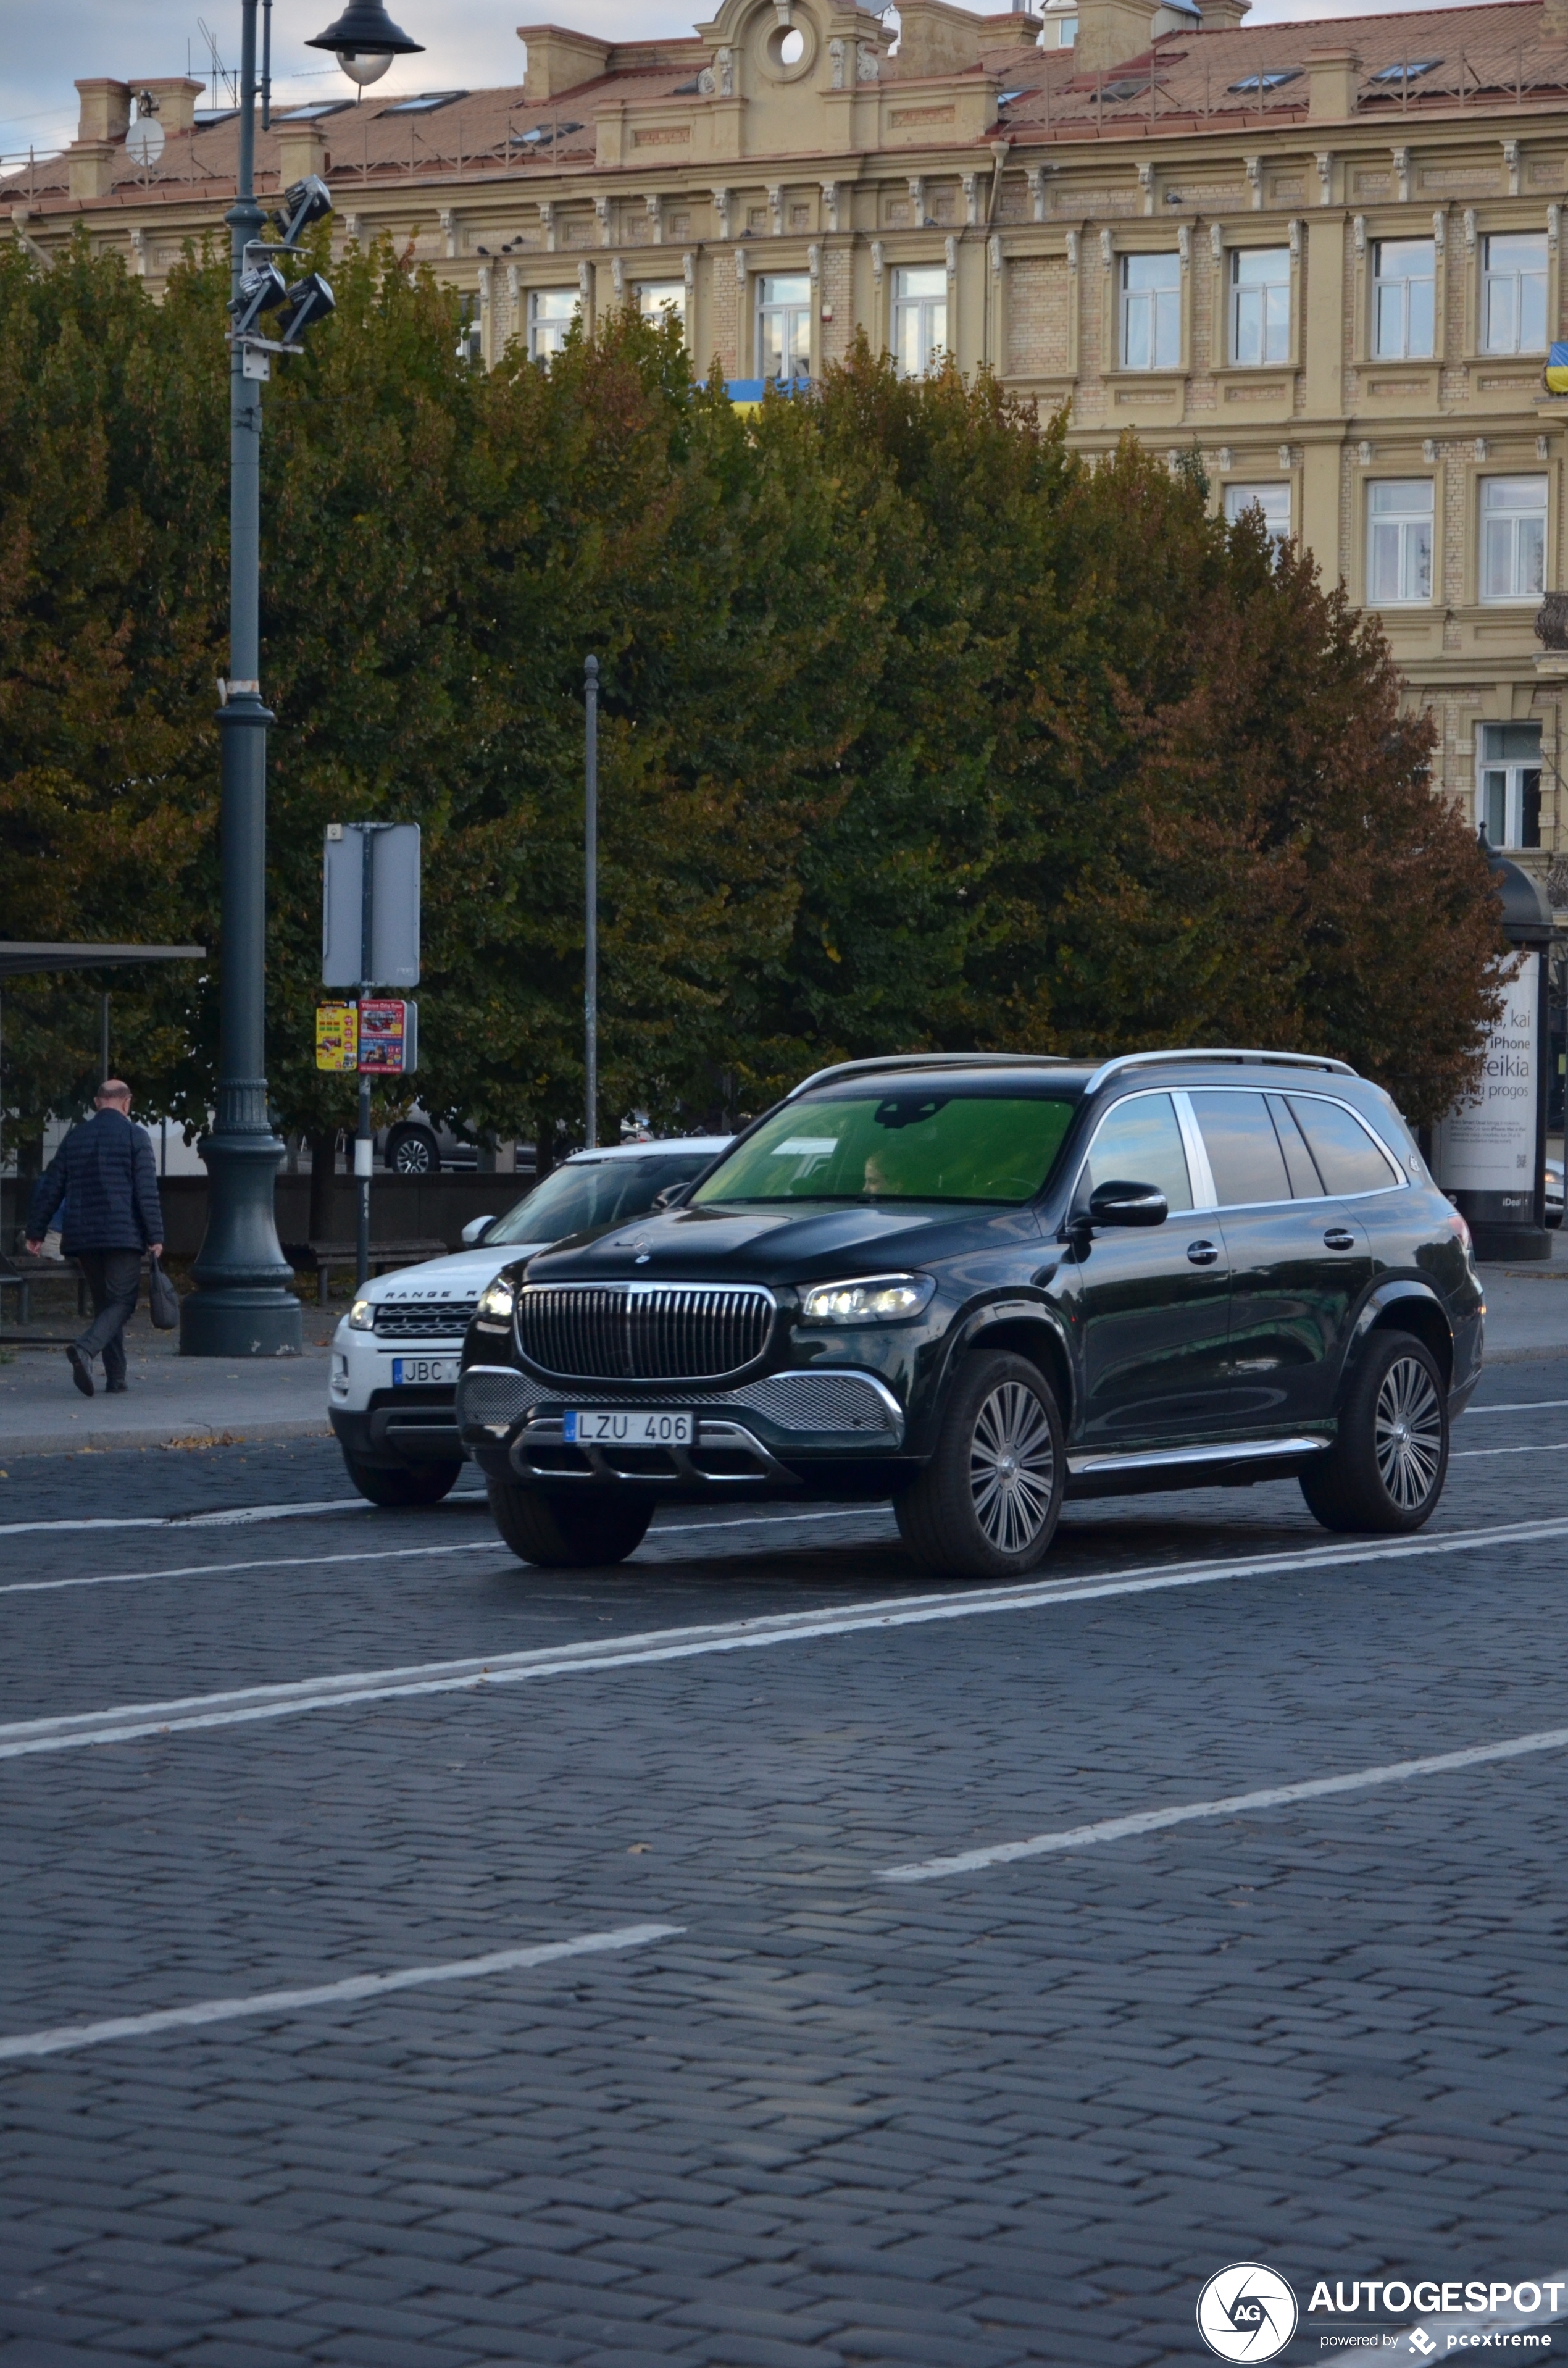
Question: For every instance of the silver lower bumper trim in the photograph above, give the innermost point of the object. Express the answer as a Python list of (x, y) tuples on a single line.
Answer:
[(1159, 1459)]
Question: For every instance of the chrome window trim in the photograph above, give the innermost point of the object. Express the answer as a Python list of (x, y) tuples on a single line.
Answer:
[(1401, 1182), (1198, 1174)]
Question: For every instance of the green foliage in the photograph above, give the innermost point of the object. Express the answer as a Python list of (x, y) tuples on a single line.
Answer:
[(916, 730)]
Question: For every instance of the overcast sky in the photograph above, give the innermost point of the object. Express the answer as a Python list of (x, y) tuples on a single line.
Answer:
[(469, 44)]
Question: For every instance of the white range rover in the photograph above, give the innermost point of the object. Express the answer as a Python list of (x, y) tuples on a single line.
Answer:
[(394, 1356)]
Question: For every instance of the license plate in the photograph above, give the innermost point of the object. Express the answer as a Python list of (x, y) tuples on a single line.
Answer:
[(627, 1427), (408, 1371)]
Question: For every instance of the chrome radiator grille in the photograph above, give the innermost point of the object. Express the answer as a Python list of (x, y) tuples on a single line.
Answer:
[(643, 1331)]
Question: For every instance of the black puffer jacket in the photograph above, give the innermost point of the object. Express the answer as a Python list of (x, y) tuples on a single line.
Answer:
[(104, 1173)]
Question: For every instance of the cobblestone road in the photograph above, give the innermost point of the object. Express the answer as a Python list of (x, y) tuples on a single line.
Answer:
[(796, 2112)]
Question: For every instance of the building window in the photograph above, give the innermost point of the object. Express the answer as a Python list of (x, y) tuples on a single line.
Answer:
[(1274, 501), (1151, 312), (658, 298), (1513, 300), (919, 318), (551, 311), (1509, 801), (1513, 538), (784, 326), (1399, 542), (1404, 294), (1260, 304)]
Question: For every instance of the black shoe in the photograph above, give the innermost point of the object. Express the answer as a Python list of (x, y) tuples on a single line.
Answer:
[(81, 1370), (114, 1389)]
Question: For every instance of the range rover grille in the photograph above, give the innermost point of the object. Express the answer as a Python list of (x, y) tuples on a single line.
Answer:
[(424, 1319), (642, 1331)]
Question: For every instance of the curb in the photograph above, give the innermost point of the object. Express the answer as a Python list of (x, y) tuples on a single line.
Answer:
[(88, 1441)]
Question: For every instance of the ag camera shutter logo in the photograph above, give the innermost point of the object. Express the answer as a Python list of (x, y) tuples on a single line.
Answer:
[(1246, 2312)]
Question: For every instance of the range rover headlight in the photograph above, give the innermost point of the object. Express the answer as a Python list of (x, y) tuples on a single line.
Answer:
[(362, 1316), (495, 1300), (880, 1298)]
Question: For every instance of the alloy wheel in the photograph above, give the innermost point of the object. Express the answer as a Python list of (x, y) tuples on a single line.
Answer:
[(1012, 1468), (1407, 1433)]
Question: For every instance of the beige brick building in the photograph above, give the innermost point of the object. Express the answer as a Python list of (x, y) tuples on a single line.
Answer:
[(1331, 254)]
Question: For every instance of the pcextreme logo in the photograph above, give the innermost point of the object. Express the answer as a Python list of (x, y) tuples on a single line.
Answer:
[(1246, 2312)]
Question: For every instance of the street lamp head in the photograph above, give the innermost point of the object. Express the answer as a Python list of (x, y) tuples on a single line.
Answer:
[(307, 300), (365, 40)]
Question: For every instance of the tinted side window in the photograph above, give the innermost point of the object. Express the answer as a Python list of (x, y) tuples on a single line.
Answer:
[(1140, 1143), (1244, 1150), (1306, 1181), (1347, 1158)]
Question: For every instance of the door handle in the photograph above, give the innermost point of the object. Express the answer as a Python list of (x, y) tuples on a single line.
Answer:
[(1201, 1253), (1337, 1238)]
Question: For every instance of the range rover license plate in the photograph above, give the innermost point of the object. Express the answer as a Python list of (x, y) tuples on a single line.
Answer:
[(407, 1372), (627, 1427)]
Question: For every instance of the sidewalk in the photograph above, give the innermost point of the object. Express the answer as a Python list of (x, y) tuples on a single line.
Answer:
[(172, 1401), (1526, 1308)]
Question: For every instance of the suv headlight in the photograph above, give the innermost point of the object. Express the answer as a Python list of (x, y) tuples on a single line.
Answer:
[(882, 1299), (496, 1299), (362, 1316)]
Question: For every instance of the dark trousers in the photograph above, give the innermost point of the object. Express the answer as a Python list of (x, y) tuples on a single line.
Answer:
[(114, 1278)]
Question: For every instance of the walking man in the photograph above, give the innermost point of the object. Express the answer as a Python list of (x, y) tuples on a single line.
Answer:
[(104, 1174)]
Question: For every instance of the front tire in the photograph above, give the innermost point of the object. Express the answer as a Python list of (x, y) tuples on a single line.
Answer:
[(987, 1504), (562, 1533), (1386, 1469), (401, 1483)]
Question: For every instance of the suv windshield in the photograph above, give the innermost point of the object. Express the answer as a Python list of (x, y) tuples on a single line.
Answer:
[(587, 1193), (915, 1143)]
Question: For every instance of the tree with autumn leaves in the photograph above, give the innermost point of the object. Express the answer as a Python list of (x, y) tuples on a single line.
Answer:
[(917, 730)]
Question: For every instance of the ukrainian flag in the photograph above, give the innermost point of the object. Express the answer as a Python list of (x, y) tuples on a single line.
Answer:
[(1557, 370)]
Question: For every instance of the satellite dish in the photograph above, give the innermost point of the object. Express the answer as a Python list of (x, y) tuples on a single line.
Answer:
[(144, 142)]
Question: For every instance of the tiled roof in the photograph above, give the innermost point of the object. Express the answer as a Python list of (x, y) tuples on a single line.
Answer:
[(1187, 80), (1491, 56)]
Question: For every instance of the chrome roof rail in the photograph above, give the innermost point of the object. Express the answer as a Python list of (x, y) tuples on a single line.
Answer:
[(934, 1060), (1217, 1052)]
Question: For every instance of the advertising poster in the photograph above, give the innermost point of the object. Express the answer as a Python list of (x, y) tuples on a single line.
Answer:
[(1487, 1142), (337, 1036), (386, 1036)]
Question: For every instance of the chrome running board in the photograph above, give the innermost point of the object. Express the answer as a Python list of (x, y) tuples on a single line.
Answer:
[(1245, 1451)]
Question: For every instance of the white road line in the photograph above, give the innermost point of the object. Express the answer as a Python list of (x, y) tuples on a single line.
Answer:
[(222, 1569), (1540, 1447), (1525, 1405), (1230, 1804), (67, 2036), (388, 1553), (232, 1517), (248, 1704)]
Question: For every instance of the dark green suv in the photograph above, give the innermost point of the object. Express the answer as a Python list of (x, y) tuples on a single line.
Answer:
[(974, 1284)]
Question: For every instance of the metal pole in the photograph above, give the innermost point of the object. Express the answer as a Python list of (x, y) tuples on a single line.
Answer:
[(591, 901), (364, 1143), (103, 1038), (242, 1306)]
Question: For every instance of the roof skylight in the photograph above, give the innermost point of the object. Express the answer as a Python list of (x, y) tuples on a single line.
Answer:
[(1268, 81), (425, 104), (1407, 71)]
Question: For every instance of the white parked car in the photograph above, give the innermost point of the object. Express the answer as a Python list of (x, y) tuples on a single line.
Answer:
[(394, 1356), (1555, 1191)]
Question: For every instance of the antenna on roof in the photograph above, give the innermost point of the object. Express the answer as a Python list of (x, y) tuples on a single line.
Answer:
[(220, 71)]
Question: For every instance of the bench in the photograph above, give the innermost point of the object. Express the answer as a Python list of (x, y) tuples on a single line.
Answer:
[(327, 1256), (19, 1274)]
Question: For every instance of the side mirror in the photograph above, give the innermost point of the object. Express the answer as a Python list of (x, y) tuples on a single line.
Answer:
[(672, 1197), (1116, 1202), (473, 1233)]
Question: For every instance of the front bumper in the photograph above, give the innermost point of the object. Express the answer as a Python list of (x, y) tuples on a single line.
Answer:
[(754, 1438)]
